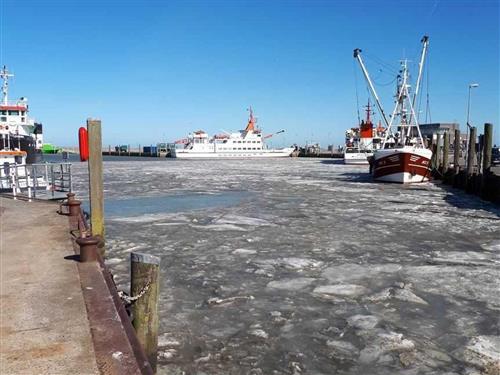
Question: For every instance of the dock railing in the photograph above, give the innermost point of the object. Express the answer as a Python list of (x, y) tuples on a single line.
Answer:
[(36, 181)]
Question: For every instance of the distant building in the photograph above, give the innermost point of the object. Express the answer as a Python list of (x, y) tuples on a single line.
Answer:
[(428, 130)]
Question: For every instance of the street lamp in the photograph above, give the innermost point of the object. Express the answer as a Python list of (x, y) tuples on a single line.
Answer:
[(471, 86)]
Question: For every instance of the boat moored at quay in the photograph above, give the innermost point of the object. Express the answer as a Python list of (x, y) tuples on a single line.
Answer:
[(247, 143), (17, 129), (403, 157)]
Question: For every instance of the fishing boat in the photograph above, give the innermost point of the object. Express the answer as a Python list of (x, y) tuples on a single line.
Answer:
[(17, 129), (403, 157), (247, 143)]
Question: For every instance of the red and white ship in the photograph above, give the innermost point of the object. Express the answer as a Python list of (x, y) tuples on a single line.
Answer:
[(403, 157)]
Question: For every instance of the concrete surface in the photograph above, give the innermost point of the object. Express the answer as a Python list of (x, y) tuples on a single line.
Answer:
[(43, 323)]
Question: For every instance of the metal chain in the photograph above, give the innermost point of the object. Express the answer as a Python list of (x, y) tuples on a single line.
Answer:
[(129, 299)]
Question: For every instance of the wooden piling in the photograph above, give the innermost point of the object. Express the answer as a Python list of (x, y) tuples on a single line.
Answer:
[(487, 157), (456, 151), (144, 286), (471, 152), (96, 180), (446, 150), (487, 147)]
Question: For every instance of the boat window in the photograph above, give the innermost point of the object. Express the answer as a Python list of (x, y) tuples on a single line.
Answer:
[(239, 148), (239, 141), (14, 113), (351, 151), (18, 159), (3, 112), (3, 118), (22, 118), (224, 141), (22, 113)]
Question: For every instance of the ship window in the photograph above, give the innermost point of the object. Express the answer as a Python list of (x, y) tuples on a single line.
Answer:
[(3, 118), (14, 113), (22, 113), (239, 141), (239, 148), (234, 148), (3, 112), (22, 118)]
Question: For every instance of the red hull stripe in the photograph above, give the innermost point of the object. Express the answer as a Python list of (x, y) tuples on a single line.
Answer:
[(401, 162)]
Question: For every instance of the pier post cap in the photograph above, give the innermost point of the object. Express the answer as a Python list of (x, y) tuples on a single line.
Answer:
[(87, 241), (70, 196), (74, 202), (144, 258)]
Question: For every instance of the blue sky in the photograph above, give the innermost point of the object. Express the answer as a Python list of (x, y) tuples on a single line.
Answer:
[(155, 70)]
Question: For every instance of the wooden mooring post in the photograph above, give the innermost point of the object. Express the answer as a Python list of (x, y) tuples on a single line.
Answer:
[(470, 182), (456, 151), (96, 181), (487, 155), (144, 289), (446, 150)]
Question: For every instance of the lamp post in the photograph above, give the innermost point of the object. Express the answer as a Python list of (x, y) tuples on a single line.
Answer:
[(471, 86)]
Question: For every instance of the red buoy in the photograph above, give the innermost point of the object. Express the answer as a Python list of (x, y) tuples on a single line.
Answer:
[(83, 141)]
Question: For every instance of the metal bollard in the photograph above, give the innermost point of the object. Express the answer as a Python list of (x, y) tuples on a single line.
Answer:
[(71, 196), (88, 248), (74, 207)]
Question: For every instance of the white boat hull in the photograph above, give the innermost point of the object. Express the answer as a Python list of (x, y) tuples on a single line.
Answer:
[(190, 154), (357, 159)]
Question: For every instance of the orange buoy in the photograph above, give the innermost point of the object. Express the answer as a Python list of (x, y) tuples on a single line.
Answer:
[(83, 142)]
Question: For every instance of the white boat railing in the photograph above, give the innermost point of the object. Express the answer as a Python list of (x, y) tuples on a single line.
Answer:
[(42, 180)]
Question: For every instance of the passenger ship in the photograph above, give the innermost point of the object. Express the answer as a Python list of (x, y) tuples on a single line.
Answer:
[(17, 130), (247, 143)]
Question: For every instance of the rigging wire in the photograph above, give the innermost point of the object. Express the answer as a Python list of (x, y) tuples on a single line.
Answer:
[(379, 61)]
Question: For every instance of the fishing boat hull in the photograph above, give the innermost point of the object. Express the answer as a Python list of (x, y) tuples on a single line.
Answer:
[(190, 154), (405, 165)]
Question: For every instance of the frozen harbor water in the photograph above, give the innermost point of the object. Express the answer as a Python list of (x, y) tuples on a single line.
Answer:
[(304, 266)]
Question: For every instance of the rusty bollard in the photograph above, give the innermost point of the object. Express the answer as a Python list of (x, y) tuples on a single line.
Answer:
[(71, 196), (88, 248), (74, 207)]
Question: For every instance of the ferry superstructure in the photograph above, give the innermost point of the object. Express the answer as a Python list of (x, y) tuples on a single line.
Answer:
[(361, 142), (247, 143), (403, 157), (17, 129)]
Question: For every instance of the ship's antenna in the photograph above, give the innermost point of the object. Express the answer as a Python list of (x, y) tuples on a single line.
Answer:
[(5, 75)]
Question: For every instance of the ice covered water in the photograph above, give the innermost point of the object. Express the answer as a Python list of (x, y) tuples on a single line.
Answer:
[(304, 266)]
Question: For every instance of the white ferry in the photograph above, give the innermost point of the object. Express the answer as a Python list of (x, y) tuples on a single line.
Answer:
[(248, 143), (17, 129)]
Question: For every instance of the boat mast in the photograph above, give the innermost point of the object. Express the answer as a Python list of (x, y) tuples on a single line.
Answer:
[(357, 56), (425, 45), (5, 75)]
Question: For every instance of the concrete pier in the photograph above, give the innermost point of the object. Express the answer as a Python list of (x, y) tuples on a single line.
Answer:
[(58, 316), (44, 325)]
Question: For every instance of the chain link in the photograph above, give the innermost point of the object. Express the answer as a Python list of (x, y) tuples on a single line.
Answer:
[(130, 300)]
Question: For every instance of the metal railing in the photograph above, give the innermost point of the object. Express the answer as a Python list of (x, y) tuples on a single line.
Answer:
[(43, 180)]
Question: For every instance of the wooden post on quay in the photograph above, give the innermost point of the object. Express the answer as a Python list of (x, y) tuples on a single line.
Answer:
[(96, 180), (144, 287), (446, 150), (456, 152), (471, 160), (471, 152), (487, 156)]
